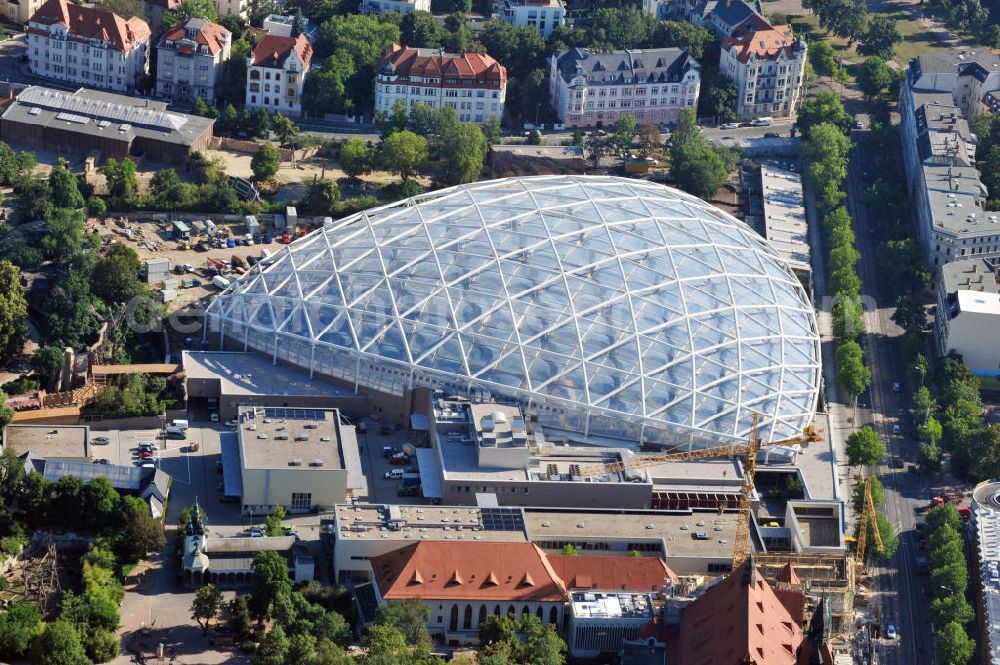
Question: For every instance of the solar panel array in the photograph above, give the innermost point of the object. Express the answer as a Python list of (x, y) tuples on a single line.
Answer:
[(120, 477), (502, 519), (295, 414), (94, 108)]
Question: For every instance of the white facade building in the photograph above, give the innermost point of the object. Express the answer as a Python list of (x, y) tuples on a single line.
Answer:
[(543, 15), (276, 73), (87, 46), (767, 64), (588, 89), (393, 6), (968, 314), (189, 60), (279, 25), (225, 8), (19, 11), (473, 84)]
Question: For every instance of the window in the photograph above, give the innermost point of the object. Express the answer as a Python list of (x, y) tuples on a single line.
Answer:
[(301, 500)]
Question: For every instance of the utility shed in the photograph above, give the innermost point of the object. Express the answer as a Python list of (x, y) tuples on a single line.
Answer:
[(157, 270)]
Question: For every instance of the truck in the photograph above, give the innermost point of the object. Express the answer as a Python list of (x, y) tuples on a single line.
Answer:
[(640, 165), (220, 282), (410, 479)]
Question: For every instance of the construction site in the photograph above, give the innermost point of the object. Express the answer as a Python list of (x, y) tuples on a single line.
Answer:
[(47, 566)]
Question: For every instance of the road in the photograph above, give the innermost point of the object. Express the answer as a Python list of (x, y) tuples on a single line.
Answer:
[(899, 588)]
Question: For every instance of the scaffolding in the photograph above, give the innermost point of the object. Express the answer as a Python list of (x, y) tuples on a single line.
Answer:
[(823, 575)]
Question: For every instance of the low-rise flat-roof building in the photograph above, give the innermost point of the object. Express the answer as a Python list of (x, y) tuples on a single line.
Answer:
[(393, 6), (969, 304), (299, 459), (62, 442), (115, 125), (235, 379), (542, 15), (776, 210)]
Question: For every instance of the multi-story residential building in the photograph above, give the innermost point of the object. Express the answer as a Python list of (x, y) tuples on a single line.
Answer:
[(588, 88), (87, 46), (968, 306), (19, 11), (721, 17), (767, 64), (473, 84), (225, 8), (189, 60), (276, 72), (393, 6), (543, 15), (940, 94), (154, 10)]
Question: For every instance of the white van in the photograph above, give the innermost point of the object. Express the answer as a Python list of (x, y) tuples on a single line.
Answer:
[(175, 433), (764, 121), (179, 424)]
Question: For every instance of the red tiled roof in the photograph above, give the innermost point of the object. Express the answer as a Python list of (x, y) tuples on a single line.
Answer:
[(611, 573), (764, 43), (741, 621), (467, 571), (93, 23), (433, 63), (272, 50), (210, 34)]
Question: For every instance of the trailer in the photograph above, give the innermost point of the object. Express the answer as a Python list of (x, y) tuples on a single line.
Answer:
[(253, 226), (180, 229), (197, 228), (210, 228)]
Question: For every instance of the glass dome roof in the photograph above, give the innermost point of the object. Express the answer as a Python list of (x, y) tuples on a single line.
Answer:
[(615, 308)]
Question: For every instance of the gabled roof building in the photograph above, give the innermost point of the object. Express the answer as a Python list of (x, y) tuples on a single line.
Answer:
[(87, 46), (767, 64), (189, 60), (473, 84), (588, 88), (276, 73)]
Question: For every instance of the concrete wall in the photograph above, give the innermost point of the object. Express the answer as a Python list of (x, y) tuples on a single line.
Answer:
[(550, 494), (264, 489)]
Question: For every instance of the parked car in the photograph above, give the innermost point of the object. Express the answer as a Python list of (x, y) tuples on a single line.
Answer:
[(214, 417), (256, 532), (101, 440), (408, 490), (389, 451), (103, 461), (897, 387), (729, 125), (148, 445), (393, 473), (897, 428), (399, 458), (772, 135), (890, 632), (233, 423)]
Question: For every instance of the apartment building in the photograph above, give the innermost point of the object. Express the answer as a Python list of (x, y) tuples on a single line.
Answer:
[(276, 72), (588, 88), (87, 46), (225, 8), (767, 64), (19, 11), (941, 93), (473, 84), (968, 305), (189, 60), (720, 16), (393, 6), (543, 15)]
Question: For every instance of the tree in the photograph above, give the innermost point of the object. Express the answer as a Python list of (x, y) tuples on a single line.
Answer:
[(272, 523), (11, 473), (186, 10), (270, 578), (881, 37), (14, 166), (824, 107), (13, 311), (852, 375), (364, 38), (326, 90), (140, 532), (283, 128), (848, 317), (649, 138), (404, 153), (534, 137), (273, 649), (205, 606), (101, 645), (526, 641), (418, 29), (822, 58), (954, 646), (929, 456), (952, 607), (864, 448), (123, 184), (718, 95), (63, 188), (356, 156), (124, 8), (681, 34), (695, 165), (63, 237), (115, 276), (492, 131), (6, 413), (58, 644), (265, 162), (937, 517), (199, 107), (100, 503), (901, 262), (322, 198), (569, 549), (463, 149), (930, 430), (409, 616), (873, 77), (168, 190), (624, 132), (19, 625)]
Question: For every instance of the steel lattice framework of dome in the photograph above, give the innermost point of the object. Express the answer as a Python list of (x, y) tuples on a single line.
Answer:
[(616, 310)]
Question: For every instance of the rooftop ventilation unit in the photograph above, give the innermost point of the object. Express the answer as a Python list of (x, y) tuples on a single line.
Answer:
[(317, 462), (295, 461)]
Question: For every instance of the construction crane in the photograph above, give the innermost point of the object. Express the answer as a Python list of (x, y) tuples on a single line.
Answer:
[(741, 550), (868, 517)]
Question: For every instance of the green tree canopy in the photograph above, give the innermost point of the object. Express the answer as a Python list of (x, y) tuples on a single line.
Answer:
[(19, 625), (265, 162), (63, 187), (123, 184), (356, 156), (205, 606), (115, 276), (13, 311), (140, 532), (58, 644), (864, 448), (852, 375), (954, 646), (270, 578), (404, 153), (410, 617), (880, 38), (824, 107), (822, 58), (873, 77), (463, 149)]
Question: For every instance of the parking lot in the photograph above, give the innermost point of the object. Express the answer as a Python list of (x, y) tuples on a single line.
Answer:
[(375, 466)]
